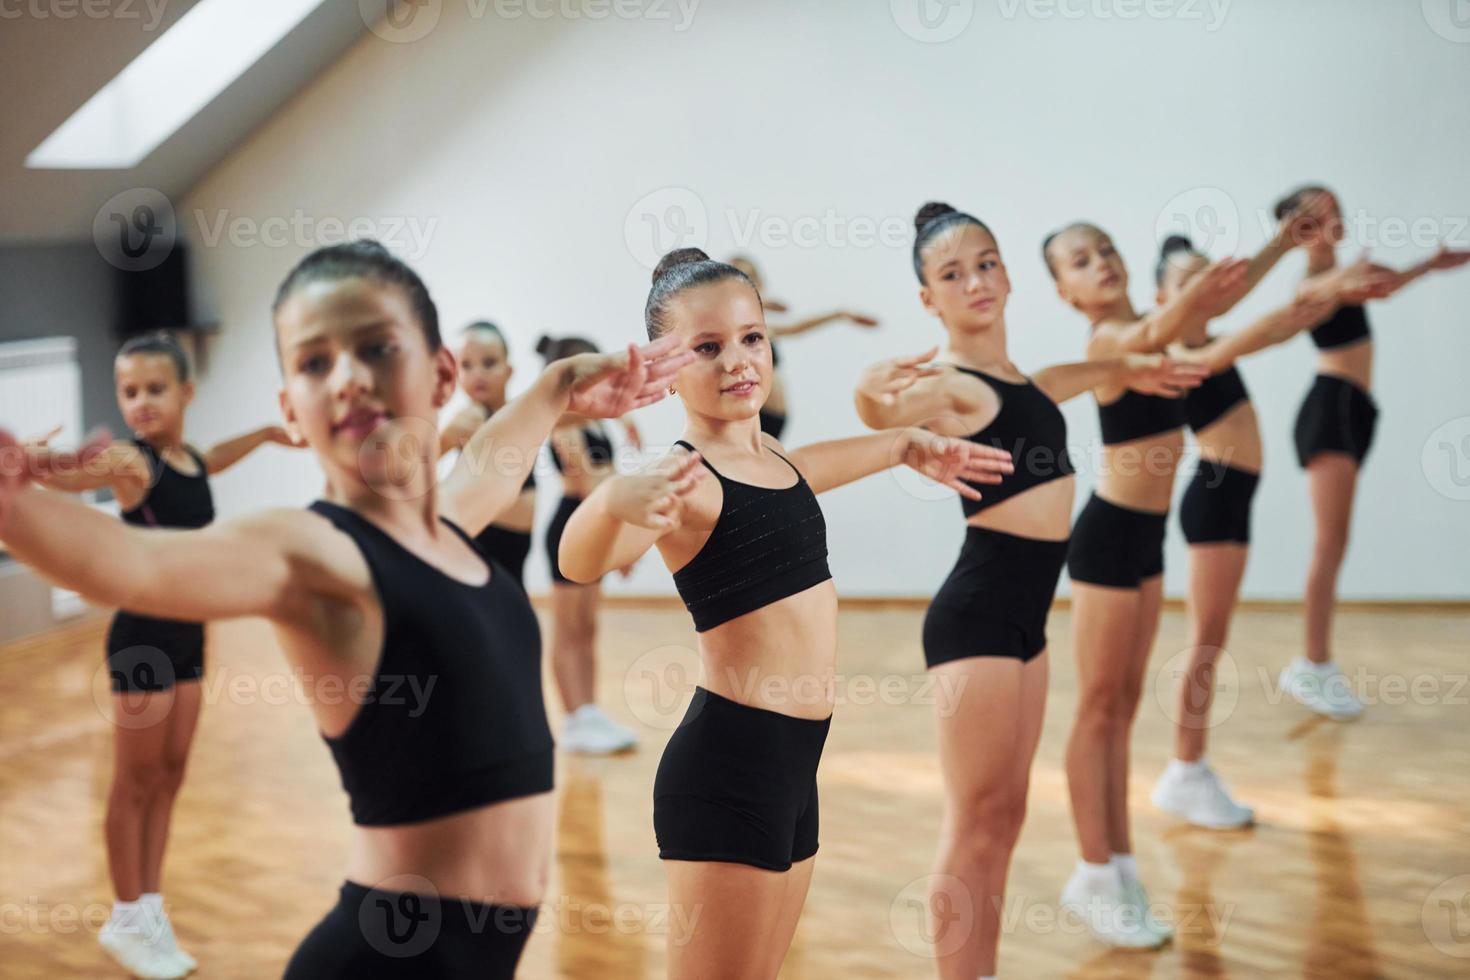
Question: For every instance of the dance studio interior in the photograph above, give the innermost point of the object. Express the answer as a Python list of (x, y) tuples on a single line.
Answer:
[(615, 489)]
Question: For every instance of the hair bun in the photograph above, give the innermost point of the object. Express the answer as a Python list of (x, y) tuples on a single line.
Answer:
[(1176, 243), (928, 212), (676, 258), (544, 344)]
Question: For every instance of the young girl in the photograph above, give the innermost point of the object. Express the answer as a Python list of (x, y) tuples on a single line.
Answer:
[(484, 371), (773, 413), (735, 798), (987, 625), (379, 587), (583, 455), (155, 664), (1215, 512), (1334, 430), (1116, 562)]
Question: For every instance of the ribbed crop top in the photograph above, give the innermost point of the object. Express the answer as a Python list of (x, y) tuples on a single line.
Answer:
[(1215, 396), (1137, 416), (767, 544), (1346, 326), (454, 718), (1031, 428), (173, 499)]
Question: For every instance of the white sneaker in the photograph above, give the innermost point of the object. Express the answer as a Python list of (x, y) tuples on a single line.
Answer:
[(157, 919), (1111, 912), (1193, 793), (1134, 892), (590, 732), (140, 954), (1322, 687)]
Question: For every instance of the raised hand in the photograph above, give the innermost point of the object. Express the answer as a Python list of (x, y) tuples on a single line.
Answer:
[(1168, 375), (605, 386), (1448, 258), (1219, 287), (861, 319), (885, 380), (956, 463), (1365, 280), (652, 499)]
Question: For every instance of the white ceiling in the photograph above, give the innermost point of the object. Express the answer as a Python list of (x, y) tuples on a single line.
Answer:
[(49, 66)]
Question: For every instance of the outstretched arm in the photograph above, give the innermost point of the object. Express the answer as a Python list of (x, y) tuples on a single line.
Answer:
[(223, 455), (1221, 283), (625, 516), (1276, 327), (461, 428), (904, 391), (811, 323), (1441, 261), (952, 462), (118, 466), (495, 461), (1148, 373)]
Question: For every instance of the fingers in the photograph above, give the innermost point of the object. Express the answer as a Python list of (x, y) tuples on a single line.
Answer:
[(915, 361)]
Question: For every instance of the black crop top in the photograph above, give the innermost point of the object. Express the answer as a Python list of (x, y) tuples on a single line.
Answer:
[(1137, 416), (1346, 326), (454, 718), (1031, 428), (1215, 396), (599, 448), (173, 499), (767, 544)]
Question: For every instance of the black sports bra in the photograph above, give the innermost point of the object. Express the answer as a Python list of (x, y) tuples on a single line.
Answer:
[(1031, 428), (599, 448), (1215, 396), (767, 544), (1346, 326), (1137, 416), (173, 499), (454, 718)]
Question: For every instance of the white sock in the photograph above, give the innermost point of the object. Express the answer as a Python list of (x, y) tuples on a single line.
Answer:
[(1316, 668), (1189, 768), (1127, 866), (128, 916), (1098, 877)]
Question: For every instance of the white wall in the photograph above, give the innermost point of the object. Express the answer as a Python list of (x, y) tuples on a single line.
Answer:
[(523, 147)]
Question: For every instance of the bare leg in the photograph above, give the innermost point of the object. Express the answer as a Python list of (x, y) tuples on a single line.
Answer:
[(741, 918), (1145, 628), (180, 726), (574, 642), (1104, 621), (1215, 572), (987, 741), (1333, 479), (137, 779)]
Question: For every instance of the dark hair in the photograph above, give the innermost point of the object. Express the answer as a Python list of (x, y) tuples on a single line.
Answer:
[(1292, 201), (682, 269), (161, 344), (364, 259), (1173, 245), (932, 220), (1046, 242), (554, 349), (485, 326)]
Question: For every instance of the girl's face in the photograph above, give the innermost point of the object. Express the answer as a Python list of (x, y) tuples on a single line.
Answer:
[(1330, 232), (484, 368), (1179, 269), (1089, 271), (353, 357), (965, 281), (725, 327), (150, 395)]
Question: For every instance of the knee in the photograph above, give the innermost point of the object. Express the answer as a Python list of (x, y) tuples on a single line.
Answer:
[(140, 781), (1107, 709), (986, 828)]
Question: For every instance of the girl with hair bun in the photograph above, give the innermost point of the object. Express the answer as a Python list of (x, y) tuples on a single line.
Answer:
[(380, 582), (583, 455), (986, 627), (1334, 430), (735, 517)]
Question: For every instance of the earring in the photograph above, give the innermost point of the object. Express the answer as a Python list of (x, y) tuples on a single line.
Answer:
[(671, 389)]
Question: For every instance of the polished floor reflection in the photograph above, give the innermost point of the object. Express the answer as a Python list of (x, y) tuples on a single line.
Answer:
[(1359, 866)]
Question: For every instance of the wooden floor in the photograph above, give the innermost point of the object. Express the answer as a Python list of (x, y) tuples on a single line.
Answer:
[(1360, 865)]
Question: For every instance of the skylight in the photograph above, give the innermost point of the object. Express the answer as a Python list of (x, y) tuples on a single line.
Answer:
[(164, 87)]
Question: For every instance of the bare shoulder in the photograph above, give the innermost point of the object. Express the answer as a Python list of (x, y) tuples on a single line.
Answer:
[(322, 558)]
